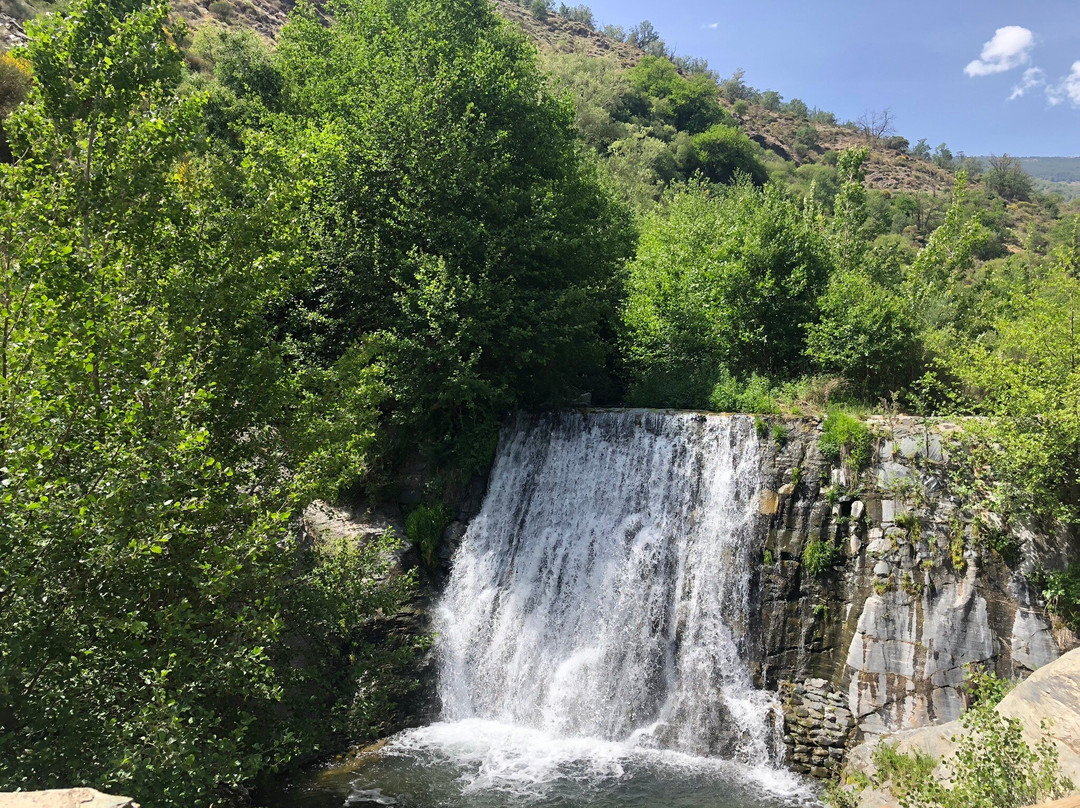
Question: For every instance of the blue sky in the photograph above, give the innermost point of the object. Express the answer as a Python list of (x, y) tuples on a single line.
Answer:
[(984, 77)]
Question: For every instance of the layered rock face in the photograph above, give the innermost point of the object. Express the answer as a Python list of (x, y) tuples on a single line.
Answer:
[(914, 592)]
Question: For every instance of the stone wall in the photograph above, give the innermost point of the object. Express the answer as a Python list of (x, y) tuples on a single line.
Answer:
[(914, 595), (817, 727)]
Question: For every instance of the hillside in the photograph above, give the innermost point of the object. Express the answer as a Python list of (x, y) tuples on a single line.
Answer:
[(778, 132), (775, 131)]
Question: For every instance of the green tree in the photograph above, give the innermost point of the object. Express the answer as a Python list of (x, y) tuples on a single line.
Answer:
[(1006, 178), (688, 103), (943, 156), (724, 153), (850, 209), (867, 334), (153, 586), (463, 239), (771, 100), (797, 107), (721, 282)]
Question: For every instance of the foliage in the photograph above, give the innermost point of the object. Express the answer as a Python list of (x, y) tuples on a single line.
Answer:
[(780, 433), (1025, 372), (846, 439), (721, 281), (457, 219), (866, 333), (686, 102), (579, 13), (14, 82), (993, 768), (222, 298), (153, 585), (725, 153), (819, 556), (1061, 589), (424, 528), (902, 770), (1006, 178), (755, 395), (984, 688)]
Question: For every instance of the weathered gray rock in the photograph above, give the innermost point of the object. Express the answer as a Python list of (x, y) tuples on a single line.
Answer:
[(906, 605), (64, 798), (1051, 695), (1046, 704)]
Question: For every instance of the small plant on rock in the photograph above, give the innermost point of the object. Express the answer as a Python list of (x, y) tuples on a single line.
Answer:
[(819, 556), (424, 528), (846, 439)]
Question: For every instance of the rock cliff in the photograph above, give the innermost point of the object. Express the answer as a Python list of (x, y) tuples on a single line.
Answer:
[(911, 593)]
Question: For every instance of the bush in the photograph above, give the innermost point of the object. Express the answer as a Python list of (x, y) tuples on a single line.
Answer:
[(819, 556), (724, 153), (15, 82), (846, 439), (755, 395), (1061, 589), (984, 688), (993, 768), (222, 9), (867, 334), (722, 281), (424, 528)]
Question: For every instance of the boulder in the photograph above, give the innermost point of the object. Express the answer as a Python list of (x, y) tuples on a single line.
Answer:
[(1050, 697), (65, 798)]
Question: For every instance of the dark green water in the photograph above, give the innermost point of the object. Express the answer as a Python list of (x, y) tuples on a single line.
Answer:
[(475, 764)]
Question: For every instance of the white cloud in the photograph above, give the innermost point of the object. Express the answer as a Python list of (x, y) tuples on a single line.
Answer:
[(1067, 89), (711, 25), (1010, 47), (1033, 77)]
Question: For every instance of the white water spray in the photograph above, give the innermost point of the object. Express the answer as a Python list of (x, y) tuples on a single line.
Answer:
[(603, 590)]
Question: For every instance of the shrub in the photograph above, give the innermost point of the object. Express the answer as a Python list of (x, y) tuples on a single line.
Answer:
[(993, 767), (15, 82), (867, 334), (222, 9), (780, 433), (1061, 589), (753, 396), (424, 528), (984, 688), (722, 281), (844, 438), (724, 152)]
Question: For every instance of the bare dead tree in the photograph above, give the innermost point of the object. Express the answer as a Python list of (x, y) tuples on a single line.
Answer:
[(876, 124)]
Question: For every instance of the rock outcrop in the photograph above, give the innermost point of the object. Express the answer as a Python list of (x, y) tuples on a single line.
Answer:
[(912, 593), (1045, 704)]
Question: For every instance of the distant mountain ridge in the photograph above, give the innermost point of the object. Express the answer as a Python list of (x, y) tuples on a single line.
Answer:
[(1054, 169)]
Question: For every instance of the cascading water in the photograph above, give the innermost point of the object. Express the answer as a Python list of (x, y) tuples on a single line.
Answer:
[(603, 590), (592, 639)]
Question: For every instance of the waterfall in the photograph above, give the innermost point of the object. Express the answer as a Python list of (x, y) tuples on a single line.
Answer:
[(603, 590)]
